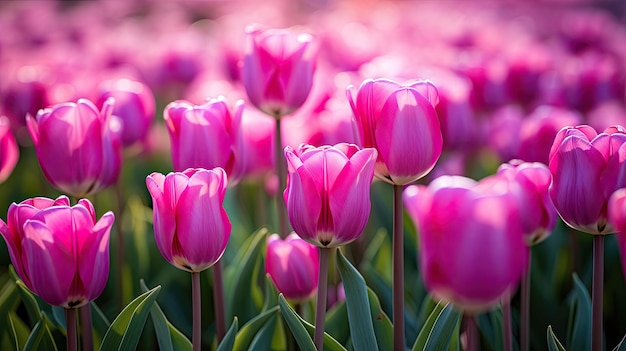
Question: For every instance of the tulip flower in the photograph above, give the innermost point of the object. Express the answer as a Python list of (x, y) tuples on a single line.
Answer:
[(191, 229), (327, 192), (401, 123), (277, 70), (78, 147), (617, 217), (293, 266), (586, 169), (9, 152), (472, 248), (134, 106), (206, 136), (60, 252)]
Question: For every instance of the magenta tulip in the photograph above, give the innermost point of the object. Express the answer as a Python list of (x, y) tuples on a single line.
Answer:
[(293, 265), (134, 106), (328, 192), (617, 217), (60, 252), (278, 67), (472, 248), (191, 226), (9, 152), (401, 123), (78, 147), (206, 136), (587, 168)]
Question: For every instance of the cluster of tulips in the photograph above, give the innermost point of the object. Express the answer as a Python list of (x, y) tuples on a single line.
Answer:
[(489, 137)]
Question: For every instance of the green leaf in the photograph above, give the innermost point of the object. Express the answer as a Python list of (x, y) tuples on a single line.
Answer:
[(40, 337), (439, 328), (553, 343), (336, 324), (30, 302), (579, 326), (297, 329), (245, 289), (228, 342), (18, 329), (622, 345), (271, 294), (263, 338), (359, 318), (383, 327), (248, 331), (168, 337), (9, 297), (127, 327), (100, 324)]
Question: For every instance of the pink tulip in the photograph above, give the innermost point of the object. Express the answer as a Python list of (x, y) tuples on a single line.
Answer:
[(134, 106), (278, 67), (60, 252), (9, 152), (617, 218), (293, 264), (587, 168), (530, 183), (472, 249), (401, 123), (78, 148), (191, 226), (206, 136), (327, 193)]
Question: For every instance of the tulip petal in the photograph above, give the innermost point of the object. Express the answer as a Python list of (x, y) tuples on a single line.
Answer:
[(303, 199), (93, 257)]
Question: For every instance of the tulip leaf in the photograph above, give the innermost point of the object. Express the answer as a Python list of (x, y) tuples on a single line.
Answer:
[(100, 324), (40, 337), (9, 298), (127, 327), (248, 331), (245, 290), (622, 345), (336, 324), (303, 331), (579, 327), (553, 342), (263, 338), (168, 337), (359, 316), (228, 342), (18, 329), (439, 328), (30, 302), (383, 327), (271, 294)]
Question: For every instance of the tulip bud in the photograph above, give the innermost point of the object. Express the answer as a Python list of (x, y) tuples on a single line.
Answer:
[(9, 152)]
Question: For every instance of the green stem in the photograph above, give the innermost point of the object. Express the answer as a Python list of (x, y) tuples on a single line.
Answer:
[(322, 289), (196, 311), (70, 323), (281, 170), (398, 270), (597, 292), (525, 306), (506, 323), (218, 301), (86, 327), (119, 194)]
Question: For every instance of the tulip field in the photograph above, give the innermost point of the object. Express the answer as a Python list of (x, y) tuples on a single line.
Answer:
[(312, 175)]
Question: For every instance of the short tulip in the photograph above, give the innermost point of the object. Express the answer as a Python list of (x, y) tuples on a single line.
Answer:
[(328, 192), (277, 71), (60, 252), (9, 152), (78, 147), (293, 265), (472, 249), (191, 226), (400, 122), (587, 168), (206, 136)]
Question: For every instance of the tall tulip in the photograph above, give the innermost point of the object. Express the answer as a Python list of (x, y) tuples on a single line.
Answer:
[(328, 203), (206, 136), (400, 121), (293, 266), (587, 167), (191, 229), (9, 151), (78, 147)]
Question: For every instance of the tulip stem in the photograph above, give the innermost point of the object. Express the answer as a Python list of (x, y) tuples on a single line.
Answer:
[(597, 292), (525, 306), (471, 333), (196, 311), (70, 327), (507, 332), (322, 289), (218, 301), (281, 170), (119, 192), (86, 327), (398, 270)]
